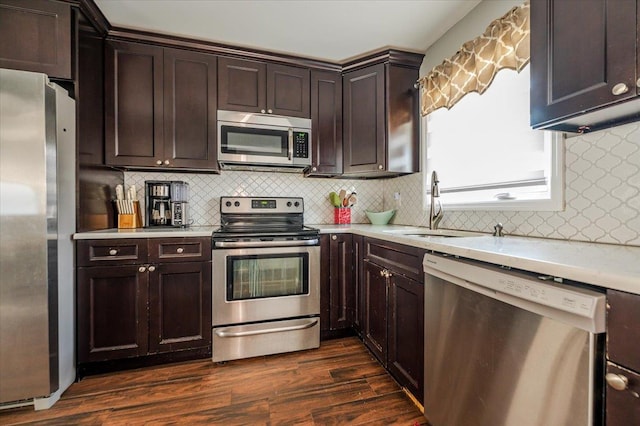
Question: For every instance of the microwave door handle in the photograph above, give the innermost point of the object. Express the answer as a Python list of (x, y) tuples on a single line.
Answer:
[(290, 143)]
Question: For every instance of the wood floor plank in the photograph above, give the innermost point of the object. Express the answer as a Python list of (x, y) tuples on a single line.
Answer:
[(339, 383)]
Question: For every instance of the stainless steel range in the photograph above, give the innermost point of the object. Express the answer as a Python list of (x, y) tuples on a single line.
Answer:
[(266, 279)]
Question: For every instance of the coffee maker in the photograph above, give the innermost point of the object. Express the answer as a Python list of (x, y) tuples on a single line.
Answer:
[(167, 203)]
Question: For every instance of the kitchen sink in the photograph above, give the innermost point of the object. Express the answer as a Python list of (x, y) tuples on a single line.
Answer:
[(444, 233), (421, 232)]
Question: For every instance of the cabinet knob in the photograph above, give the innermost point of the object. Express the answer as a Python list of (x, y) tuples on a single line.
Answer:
[(166, 162), (382, 273), (620, 89), (638, 82), (159, 162), (179, 250), (334, 237), (270, 111), (617, 381), (314, 169), (380, 167), (262, 111), (142, 269), (113, 252), (152, 268)]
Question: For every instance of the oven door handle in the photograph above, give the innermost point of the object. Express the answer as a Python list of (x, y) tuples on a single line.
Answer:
[(223, 332), (249, 244)]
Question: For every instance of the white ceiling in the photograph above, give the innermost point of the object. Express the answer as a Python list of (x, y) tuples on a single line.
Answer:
[(332, 30)]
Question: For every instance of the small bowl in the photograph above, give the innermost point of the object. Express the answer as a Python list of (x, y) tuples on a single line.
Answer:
[(380, 218)]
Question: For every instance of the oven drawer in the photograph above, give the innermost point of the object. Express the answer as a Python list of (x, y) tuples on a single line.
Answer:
[(103, 252), (266, 338), (180, 249)]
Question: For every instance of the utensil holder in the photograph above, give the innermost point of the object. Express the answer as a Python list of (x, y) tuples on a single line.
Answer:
[(342, 215), (131, 221)]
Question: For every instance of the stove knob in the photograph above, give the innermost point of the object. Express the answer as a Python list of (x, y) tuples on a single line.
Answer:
[(288, 203), (297, 204), (228, 204), (237, 204)]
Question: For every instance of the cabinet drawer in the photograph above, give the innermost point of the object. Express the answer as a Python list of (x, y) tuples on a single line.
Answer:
[(122, 251), (180, 249), (405, 260), (623, 328)]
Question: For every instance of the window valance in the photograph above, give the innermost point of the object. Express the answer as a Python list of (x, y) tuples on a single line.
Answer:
[(504, 44)]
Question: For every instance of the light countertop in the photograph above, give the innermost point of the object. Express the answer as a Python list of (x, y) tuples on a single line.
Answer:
[(605, 265)]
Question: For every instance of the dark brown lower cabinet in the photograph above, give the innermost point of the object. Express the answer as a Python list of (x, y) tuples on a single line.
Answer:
[(374, 326), (337, 286), (179, 306), (112, 313), (393, 324), (405, 339), (391, 311), (622, 391), (130, 304)]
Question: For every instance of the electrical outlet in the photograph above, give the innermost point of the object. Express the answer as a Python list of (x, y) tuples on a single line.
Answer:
[(397, 199)]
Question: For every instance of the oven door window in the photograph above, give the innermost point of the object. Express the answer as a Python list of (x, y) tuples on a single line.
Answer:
[(254, 141), (260, 276)]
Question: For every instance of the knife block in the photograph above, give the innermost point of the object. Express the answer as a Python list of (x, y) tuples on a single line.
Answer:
[(131, 221)]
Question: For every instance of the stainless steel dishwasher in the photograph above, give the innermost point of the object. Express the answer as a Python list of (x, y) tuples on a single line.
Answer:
[(505, 347)]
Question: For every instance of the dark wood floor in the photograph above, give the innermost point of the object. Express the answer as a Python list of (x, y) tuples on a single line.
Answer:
[(340, 383)]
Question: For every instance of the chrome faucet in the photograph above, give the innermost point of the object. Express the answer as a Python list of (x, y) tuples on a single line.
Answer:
[(435, 216)]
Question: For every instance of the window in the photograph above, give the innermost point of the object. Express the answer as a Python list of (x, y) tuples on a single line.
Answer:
[(487, 156)]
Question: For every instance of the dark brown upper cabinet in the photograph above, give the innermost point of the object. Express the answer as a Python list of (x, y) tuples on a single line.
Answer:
[(381, 117), (265, 88), (160, 107), (584, 64), (35, 35), (326, 119)]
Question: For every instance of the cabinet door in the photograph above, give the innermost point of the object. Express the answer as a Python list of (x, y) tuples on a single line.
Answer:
[(374, 324), (288, 91), (133, 104), (575, 68), (190, 109), (623, 407), (341, 279), (326, 119), (242, 85), (179, 306), (364, 114), (358, 280), (405, 359), (623, 329), (35, 35), (112, 312)]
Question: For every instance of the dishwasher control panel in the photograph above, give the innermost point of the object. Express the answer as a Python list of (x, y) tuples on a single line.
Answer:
[(521, 288)]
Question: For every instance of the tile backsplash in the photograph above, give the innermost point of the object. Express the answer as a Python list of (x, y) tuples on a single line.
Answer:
[(206, 189), (602, 194)]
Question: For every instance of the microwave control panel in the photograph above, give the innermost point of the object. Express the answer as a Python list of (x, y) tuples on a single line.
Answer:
[(301, 145)]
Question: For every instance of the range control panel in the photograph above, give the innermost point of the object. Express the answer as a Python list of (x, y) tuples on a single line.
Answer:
[(261, 205)]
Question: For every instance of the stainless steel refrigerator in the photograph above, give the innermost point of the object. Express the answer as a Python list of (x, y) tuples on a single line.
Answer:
[(37, 220)]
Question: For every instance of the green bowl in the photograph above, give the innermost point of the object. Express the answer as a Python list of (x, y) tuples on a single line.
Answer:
[(380, 218)]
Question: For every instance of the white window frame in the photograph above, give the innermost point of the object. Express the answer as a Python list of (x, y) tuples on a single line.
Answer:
[(554, 200)]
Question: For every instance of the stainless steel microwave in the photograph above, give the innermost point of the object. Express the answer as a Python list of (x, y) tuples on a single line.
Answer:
[(249, 139)]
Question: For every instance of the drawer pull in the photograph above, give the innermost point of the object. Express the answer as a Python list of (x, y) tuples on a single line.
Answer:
[(142, 269), (152, 268), (179, 250), (334, 237), (619, 89), (617, 381), (113, 252)]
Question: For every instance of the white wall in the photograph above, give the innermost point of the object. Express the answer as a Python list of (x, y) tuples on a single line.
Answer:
[(602, 188)]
